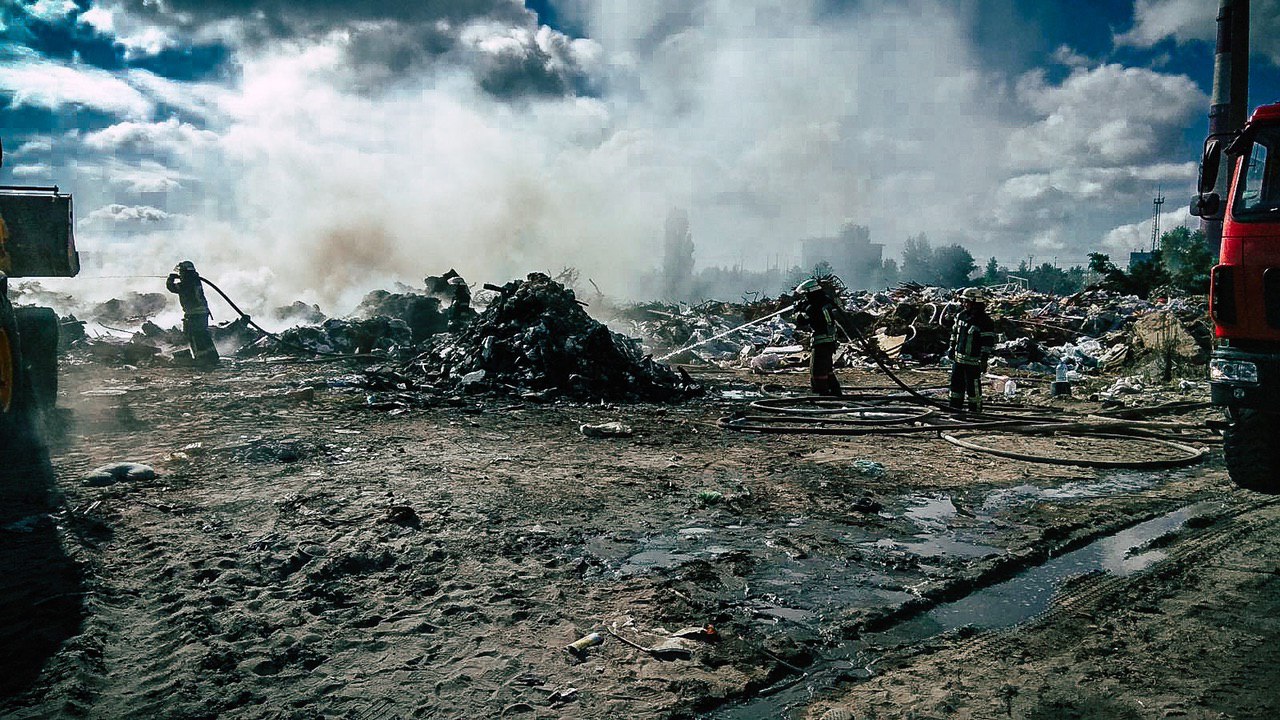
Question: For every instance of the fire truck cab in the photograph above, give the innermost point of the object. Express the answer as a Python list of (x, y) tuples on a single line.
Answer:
[(1244, 297)]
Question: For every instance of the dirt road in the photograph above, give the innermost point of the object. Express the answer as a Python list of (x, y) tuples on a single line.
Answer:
[(301, 556)]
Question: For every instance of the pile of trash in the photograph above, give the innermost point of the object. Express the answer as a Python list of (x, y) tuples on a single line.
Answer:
[(1094, 331), (386, 323), (535, 339)]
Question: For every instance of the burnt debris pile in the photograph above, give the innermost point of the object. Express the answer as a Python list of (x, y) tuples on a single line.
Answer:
[(535, 339), (1092, 332)]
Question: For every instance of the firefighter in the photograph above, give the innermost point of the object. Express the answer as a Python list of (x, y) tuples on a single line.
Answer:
[(460, 313), (184, 282), (972, 340), (823, 316)]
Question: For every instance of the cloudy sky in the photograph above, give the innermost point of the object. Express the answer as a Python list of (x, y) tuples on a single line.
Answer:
[(314, 148)]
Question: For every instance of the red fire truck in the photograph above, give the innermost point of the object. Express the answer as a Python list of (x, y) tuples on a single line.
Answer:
[(1244, 297)]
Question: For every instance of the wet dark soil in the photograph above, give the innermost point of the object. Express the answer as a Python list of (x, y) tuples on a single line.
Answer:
[(308, 558)]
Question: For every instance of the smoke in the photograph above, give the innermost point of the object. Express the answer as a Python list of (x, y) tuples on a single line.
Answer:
[(768, 131), (357, 144)]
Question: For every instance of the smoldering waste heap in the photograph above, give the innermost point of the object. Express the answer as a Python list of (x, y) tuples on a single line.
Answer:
[(536, 339)]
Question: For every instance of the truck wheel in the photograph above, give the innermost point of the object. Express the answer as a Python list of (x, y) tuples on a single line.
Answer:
[(38, 327), (1249, 446), (15, 395)]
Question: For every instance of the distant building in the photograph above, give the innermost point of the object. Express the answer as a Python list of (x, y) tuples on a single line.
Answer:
[(851, 255), (1139, 257)]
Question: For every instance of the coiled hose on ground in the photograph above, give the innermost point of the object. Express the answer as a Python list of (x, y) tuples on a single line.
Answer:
[(911, 411)]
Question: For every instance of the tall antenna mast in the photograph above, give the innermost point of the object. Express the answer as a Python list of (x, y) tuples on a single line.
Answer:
[(1155, 218)]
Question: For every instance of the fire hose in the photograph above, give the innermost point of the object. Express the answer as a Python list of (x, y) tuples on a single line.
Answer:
[(901, 414), (279, 340), (728, 332), (894, 415)]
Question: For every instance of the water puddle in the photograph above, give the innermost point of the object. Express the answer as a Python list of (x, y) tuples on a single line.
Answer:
[(1120, 484), (931, 512), (1000, 606), (781, 580), (1017, 600), (935, 517), (636, 557), (928, 546)]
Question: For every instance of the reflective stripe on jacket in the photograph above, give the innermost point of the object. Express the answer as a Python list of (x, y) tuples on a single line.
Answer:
[(973, 337), (824, 332)]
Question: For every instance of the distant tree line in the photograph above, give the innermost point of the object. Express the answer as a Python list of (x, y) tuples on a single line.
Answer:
[(1180, 266)]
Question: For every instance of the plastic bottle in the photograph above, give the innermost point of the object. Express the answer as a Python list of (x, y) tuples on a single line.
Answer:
[(1062, 371), (1010, 389)]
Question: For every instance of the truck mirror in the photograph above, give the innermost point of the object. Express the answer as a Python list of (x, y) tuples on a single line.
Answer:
[(1206, 204), (1209, 165)]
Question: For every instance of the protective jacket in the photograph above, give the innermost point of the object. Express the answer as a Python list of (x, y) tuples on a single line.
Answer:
[(820, 314), (973, 337)]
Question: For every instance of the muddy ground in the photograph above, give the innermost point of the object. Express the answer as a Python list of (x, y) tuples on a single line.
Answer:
[(301, 556)]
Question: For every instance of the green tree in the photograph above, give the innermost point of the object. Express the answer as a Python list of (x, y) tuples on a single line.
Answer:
[(992, 275), (677, 257), (917, 260), (1148, 275), (1049, 279), (1101, 264), (952, 265), (1141, 279), (1186, 259), (889, 272)]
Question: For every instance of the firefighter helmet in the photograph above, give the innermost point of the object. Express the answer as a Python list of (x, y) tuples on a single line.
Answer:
[(973, 294), (808, 286)]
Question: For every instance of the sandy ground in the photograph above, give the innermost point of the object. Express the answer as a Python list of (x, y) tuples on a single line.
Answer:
[(300, 556)]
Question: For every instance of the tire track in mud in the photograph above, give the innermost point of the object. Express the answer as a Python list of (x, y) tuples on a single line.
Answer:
[(1089, 591), (146, 650), (1097, 595)]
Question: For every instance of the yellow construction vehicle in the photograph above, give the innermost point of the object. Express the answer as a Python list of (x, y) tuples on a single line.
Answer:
[(36, 240)]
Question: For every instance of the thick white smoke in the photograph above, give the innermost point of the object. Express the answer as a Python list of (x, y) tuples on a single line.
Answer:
[(346, 157)]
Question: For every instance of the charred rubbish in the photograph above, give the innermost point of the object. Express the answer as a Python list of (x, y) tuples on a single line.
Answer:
[(536, 337)]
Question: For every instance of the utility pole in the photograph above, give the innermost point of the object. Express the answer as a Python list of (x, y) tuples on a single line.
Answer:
[(1229, 106), (1155, 219)]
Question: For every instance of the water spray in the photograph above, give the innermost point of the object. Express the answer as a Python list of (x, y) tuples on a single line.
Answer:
[(730, 331)]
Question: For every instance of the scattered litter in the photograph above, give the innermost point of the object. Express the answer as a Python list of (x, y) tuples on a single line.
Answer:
[(868, 468), (119, 472), (673, 648), (697, 632), (578, 648), (710, 497), (562, 695), (606, 430)]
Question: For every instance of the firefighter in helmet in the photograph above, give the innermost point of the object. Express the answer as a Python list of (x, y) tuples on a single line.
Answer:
[(972, 339), (184, 282), (823, 315)]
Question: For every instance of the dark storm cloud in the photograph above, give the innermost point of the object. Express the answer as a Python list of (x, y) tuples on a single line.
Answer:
[(399, 48), (288, 17), (531, 64), (391, 38)]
